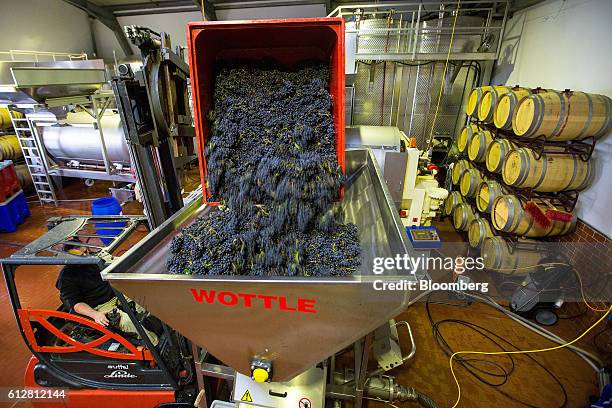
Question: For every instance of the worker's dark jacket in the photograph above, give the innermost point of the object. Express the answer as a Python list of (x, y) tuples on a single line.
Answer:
[(82, 283)]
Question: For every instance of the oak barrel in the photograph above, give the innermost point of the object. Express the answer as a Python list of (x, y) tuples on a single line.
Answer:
[(505, 106), (509, 216), (486, 107), (496, 154), (458, 169), (463, 215), (453, 200), (475, 98), (563, 115), (478, 146), (478, 231), (486, 193), (498, 257), (465, 137), (470, 179), (549, 173)]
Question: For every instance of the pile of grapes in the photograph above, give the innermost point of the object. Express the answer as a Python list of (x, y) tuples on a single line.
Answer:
[(271, 160)]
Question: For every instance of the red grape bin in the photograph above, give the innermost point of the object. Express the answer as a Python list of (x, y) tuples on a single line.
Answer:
[(288, 41)]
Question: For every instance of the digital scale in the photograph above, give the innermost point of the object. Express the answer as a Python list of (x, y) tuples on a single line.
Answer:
[(424, 237)]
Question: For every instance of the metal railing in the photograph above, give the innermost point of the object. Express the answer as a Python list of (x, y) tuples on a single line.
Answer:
[(38, 56), (422, 30)]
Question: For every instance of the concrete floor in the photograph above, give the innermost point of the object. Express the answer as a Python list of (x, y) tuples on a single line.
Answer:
[(428, 371)]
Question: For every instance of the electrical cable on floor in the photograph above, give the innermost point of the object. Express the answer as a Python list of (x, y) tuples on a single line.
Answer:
[(593, 361), (450, 46), (596, 336), (470, 364), (525, 352), (579, 314)]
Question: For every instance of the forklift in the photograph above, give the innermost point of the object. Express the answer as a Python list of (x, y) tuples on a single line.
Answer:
[(85, 363)]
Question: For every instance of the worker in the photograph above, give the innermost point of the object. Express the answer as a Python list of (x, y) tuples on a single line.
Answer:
[(83, 291)]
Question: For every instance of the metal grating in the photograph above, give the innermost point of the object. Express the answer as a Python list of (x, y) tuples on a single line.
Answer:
[(412, 107), (369, 93)]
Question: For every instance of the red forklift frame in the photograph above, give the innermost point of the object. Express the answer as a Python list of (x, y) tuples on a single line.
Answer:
[(159, 387)]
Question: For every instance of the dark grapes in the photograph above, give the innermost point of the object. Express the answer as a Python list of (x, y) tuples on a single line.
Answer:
[(271, 160)]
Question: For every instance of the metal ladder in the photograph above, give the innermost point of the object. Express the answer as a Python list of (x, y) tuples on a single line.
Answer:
[(33, 157)]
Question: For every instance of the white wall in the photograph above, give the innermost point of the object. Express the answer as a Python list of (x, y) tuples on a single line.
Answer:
[(171, 23), (174, 23), (563, 44), (306, 10), (43, 25)]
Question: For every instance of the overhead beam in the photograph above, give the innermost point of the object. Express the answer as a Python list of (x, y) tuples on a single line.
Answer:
[(209, 10), (158, 7), (107, 18)]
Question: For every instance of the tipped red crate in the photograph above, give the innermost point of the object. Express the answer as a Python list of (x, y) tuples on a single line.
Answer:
[(9, 183), (289, 42)]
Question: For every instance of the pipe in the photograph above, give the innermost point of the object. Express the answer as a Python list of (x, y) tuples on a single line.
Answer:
[(384, 388)]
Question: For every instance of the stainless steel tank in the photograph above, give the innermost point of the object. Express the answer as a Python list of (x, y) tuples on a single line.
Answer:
[(380, 35), (77, 139)]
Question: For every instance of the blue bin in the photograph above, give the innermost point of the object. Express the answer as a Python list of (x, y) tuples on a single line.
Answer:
[(107, 206), (13, 212)]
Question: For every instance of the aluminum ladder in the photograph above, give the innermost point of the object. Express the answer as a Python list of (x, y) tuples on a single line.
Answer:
[(32, 153)]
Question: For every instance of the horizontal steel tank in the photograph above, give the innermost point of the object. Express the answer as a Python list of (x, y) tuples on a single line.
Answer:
[(78, 139)]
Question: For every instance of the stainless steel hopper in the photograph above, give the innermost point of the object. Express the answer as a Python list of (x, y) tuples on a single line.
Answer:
[(31, 82), (239, 318)]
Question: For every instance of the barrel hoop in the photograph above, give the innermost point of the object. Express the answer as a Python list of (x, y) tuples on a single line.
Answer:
[(590, 117), (513, 103), (471, 190), (503, 152), (524, 170), (563, 115), (491, 200), (544, 168), (606, 125), (482, 143), (481, 229), (531, 221), (510, 216), (498, 255), (574, 174), (587, 179), (538, 113)]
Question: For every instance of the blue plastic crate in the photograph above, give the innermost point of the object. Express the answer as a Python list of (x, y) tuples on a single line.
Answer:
[(13, 212)]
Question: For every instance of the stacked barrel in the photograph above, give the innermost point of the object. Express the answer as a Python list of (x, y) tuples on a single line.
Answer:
[(497, 167), (10, 149), (9, 145)]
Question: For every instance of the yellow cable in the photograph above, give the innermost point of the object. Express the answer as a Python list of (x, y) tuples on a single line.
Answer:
[(492, 353), (450, 46), (583, 296)]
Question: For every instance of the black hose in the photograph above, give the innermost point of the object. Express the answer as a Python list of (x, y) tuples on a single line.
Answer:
[(425, 401)]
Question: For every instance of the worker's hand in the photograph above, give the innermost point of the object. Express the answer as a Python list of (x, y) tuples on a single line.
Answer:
[(100, 318)]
